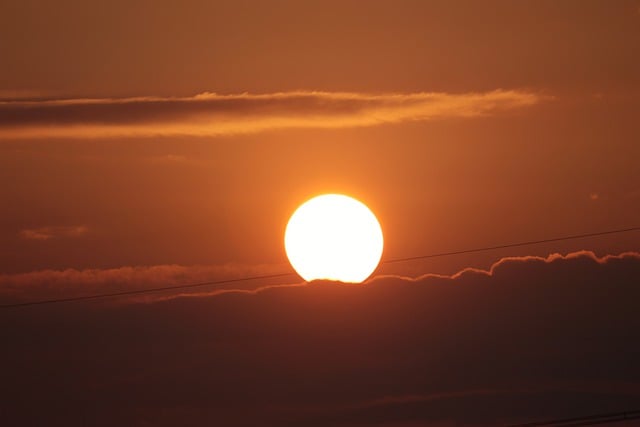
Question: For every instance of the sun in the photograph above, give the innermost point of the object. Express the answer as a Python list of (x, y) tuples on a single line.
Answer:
[(334, 237)]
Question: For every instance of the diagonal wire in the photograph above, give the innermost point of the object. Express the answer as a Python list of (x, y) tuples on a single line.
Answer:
[(147, 290), (287, 274), (514, 245)]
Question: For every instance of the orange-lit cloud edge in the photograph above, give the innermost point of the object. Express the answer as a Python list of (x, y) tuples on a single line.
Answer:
[(211, 114), (44, 284)]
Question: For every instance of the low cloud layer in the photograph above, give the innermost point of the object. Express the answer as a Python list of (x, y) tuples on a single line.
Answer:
[(71, 283), (529, 339), (211, 114)]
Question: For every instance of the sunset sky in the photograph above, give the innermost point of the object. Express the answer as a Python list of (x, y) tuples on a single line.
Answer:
[(146, 144)]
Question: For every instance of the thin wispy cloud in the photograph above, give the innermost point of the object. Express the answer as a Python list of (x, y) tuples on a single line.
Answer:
[(627, 388), (211, 114), (51, 232)]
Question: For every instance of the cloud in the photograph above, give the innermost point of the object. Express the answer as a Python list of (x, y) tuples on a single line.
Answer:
[(51, 232), (70, 283), (53, 284), (211, 114), (530, 338), (403, 401)]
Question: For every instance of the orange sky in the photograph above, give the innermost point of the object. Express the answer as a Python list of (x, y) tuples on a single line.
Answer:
[(563, 162), (169, 142)]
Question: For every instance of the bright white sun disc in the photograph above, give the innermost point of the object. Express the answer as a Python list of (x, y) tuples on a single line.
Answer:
[(334, 237)]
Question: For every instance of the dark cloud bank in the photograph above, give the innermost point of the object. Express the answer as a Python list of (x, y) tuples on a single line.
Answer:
[(531, 339)]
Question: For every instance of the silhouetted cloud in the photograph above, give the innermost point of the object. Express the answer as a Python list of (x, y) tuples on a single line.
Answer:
[(210, 114), (50, 232), (528, 339)]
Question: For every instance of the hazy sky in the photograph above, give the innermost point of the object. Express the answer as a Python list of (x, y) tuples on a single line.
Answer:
[(145, 143)]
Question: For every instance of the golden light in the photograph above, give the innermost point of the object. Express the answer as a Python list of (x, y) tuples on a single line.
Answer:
[(333, 237)]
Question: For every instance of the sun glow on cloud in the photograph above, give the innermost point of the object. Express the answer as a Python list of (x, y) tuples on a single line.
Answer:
[(211, 114)]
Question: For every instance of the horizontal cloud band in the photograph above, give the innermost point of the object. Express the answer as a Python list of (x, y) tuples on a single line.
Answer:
[(211, 114), (52, 284), (51, 232)]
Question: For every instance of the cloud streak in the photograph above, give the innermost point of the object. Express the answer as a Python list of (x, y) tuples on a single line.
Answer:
[(52, 284), (211, 114), (70, 283), (51, 232)]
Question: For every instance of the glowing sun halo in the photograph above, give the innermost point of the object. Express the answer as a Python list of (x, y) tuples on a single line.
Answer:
[(333, 237)]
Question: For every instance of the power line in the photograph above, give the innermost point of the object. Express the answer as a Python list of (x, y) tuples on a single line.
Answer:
[(147, 290), (287, 274), (514, 245)]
